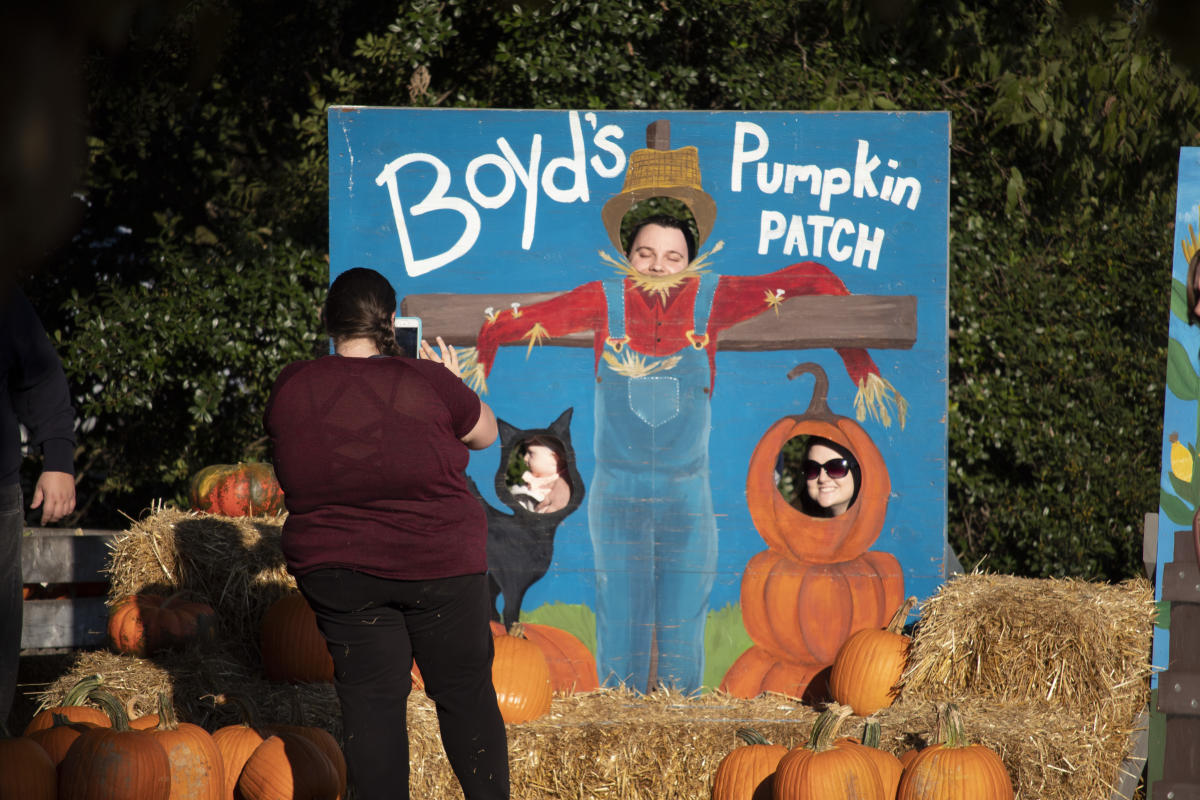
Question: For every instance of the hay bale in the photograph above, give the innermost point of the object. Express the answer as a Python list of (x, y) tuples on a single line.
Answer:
[(1049, 673), (235, 564), (192, 679), (620, 745), (613, 743), (1065, 642), (617, 744)]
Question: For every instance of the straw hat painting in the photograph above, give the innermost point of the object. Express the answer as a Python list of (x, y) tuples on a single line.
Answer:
[(660, 172)]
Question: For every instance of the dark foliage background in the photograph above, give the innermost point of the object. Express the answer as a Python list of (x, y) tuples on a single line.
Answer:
[(195, 259)]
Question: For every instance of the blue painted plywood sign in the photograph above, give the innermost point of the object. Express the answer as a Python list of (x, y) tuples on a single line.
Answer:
[(649, 376), (1179, 496)]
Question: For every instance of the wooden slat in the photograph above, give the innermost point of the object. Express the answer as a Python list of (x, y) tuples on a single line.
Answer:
[(55, 555), (1150, 544), (1131, 767), (1184, 650), (1181, 757), (1185, 548), (53, 624), (1181, 582), (1174, 790), (803, 322), (1179, 694)]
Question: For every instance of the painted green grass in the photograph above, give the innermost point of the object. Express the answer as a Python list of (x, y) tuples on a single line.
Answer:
[(576, 619), (725, 639)]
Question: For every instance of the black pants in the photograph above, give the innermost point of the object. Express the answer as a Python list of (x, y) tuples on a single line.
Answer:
[(375, 628), (12, 523)]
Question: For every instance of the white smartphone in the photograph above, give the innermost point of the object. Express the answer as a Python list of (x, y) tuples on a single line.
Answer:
[(408, 335)]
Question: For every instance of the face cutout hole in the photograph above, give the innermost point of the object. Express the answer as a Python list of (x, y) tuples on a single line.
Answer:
[(537, 474), (817, 476), (651, 207)]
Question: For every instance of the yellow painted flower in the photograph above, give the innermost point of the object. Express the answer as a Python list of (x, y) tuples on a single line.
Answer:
[(1190, 244), (1181, 460)]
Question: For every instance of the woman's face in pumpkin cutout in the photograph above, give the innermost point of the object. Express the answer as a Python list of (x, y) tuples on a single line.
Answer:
[(541, 460), (658, 251), (834, 494)]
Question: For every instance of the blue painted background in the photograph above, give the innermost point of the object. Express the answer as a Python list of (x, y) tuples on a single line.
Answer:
[(564, 239), (1181, 412)]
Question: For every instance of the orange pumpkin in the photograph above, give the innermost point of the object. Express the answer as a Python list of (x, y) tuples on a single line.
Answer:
[(143, 624), (236, 743), (756, 671), (72, 708), (746, 772), (237, 490), (324, 742), (826, 768), (293, 648), (115, 763), (138, 721), (197, 771), (239, 742), (888, 765), (287, 766), (789, 530), (908, 755), (521, 677), (572, 665), (27, 769), (954, 768), (58, 738), (870, 663), (803, 612), (321, 738)]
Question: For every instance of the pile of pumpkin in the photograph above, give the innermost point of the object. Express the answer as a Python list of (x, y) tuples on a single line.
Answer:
[(532, 661), (832, 768), (77, 752), (863, 680)]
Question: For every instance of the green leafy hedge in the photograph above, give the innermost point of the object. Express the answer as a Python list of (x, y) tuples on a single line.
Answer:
[(197, 270)]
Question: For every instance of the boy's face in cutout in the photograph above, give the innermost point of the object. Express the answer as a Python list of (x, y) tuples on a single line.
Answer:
[(658, 251)]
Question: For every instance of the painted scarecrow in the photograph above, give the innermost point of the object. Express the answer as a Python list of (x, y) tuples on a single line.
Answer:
[(650, 512)]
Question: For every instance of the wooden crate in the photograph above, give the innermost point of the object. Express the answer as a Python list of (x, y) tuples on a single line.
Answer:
[(73, 560)]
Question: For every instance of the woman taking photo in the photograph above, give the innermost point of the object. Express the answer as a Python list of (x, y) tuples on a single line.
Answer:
[(386, 542)]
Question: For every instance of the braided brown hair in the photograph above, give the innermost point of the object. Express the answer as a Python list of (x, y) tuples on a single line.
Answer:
[(360, 305)]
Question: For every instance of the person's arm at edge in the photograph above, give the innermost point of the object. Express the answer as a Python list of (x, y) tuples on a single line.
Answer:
[(485, 431), (41, 400)]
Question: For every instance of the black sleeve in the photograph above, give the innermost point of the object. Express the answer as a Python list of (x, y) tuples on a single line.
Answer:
[(37, 386)]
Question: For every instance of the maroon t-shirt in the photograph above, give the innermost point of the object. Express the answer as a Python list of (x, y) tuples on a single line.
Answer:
[(368, 454)]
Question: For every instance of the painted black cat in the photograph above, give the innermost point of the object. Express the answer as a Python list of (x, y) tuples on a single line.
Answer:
[(520, 545)]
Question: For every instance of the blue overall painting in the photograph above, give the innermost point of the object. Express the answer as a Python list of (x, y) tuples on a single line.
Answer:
[(716, 345)]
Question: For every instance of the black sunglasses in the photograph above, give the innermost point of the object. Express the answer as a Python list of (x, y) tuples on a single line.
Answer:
[(835, 468)]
